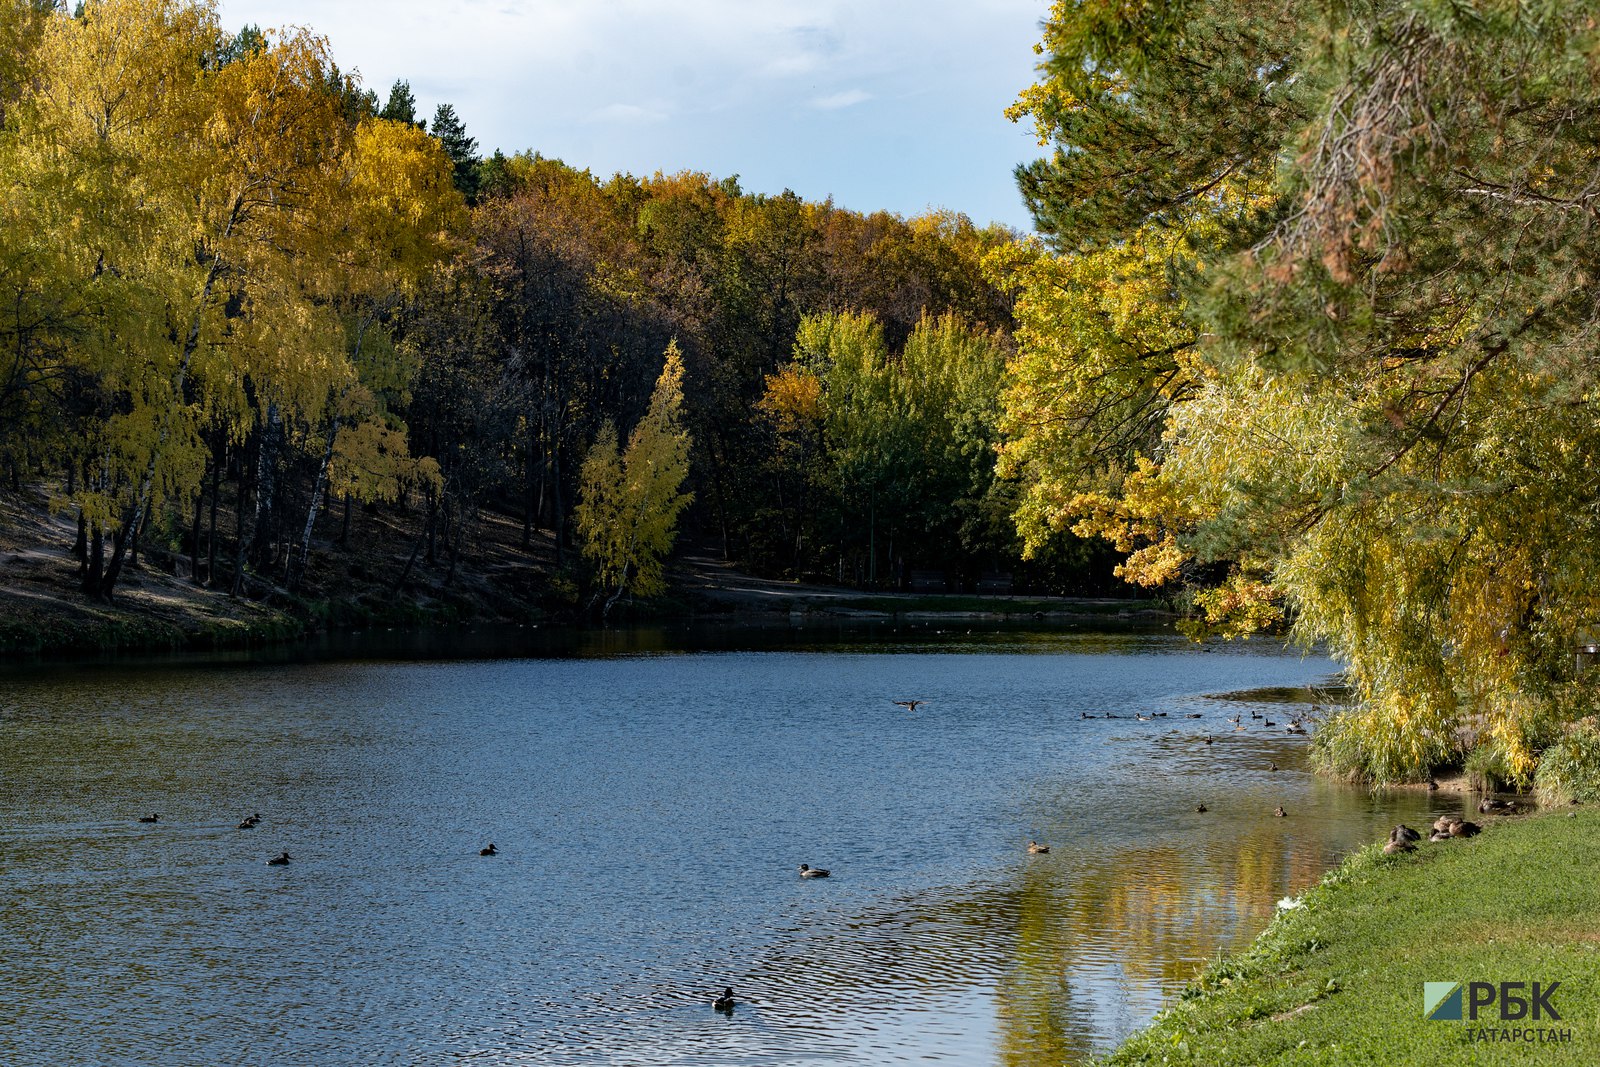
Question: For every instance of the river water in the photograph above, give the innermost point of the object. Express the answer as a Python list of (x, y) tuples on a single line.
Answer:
[(651, 796)]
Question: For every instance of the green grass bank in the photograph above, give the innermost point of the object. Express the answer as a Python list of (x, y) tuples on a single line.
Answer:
[(1339, 979)]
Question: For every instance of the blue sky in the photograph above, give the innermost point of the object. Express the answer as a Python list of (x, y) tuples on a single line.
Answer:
[(893, 104)]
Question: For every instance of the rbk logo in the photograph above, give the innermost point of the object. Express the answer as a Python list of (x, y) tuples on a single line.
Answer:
[(1444, 1001)]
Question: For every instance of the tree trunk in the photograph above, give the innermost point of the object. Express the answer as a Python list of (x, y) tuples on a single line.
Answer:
[(530, 499), (422, 536), (560, 520), (431, 528), (239, 542), (121, 541), (194, 533), (455, 546), (266, 485), (96, 563), (298, 565), (211, 537)]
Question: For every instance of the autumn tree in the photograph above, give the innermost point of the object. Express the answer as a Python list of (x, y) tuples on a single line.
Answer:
[(1363, 229), (628, 510), (204, 212)]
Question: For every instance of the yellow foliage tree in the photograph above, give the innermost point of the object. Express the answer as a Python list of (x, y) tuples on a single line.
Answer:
[(627, 513)]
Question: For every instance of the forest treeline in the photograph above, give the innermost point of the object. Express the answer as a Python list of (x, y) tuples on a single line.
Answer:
[(233, 281), (1308, 334)]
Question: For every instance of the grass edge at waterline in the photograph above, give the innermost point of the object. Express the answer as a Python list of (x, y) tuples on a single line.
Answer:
[(1338, 976)]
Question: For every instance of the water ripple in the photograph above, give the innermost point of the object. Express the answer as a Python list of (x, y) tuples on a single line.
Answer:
[(650, 812)]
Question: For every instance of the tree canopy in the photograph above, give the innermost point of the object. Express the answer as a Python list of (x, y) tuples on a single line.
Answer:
[(232, 280), (1315, 335)]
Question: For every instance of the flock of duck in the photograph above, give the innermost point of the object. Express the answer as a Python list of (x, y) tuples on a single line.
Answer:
[(1403, 838), (724, 1002), (251, 821), (1295, 725)]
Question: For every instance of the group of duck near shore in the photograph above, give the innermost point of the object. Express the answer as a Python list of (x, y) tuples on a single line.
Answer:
[(1446, 827), (1295, 725)]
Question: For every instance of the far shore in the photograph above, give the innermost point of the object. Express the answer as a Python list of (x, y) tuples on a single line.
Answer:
[(160, 608)]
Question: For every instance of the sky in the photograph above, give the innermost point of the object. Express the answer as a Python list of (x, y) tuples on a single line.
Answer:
[(880, 104)]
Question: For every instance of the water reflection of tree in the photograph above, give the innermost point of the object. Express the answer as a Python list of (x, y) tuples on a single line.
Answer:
[(1133, 925), (1079, 946)]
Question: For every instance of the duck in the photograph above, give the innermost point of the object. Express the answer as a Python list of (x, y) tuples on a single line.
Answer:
[(1196, 715), (1271, 766), (1036, 849), (1208, 739), (150, 818), (490, 851), (909, 705), (1498, 807), (1462, 828), (1442, 823), (1398, 845), (1439, 835), (1201, 808), (250, 821), (1143, 718), (1279, 812), (808, 871), (725, 1001), (1402, 832), (279, 860)]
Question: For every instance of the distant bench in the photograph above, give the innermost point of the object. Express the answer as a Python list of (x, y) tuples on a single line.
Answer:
[(996, 583)]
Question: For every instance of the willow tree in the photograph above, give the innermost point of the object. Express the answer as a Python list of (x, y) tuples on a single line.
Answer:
[(629, 503), (1381, 414)]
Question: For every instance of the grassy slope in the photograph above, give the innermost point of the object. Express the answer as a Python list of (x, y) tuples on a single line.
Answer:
[(1339, 980), (42, 608)]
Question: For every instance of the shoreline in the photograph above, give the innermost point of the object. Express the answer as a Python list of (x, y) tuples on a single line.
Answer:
[(375, 579), (158, 613), (1339, 974)]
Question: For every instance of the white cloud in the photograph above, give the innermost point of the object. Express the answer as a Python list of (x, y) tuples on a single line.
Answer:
[(848, 98)]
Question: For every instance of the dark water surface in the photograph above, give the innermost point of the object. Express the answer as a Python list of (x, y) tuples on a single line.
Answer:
[(650, 804)]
